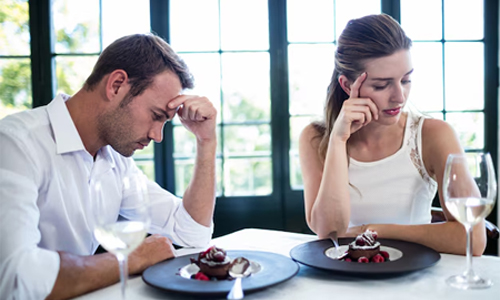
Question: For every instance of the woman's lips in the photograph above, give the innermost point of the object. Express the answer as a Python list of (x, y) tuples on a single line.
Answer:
[(393, 111)]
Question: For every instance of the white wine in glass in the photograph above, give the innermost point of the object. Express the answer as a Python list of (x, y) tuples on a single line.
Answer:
[(122, 236), (470, 190)]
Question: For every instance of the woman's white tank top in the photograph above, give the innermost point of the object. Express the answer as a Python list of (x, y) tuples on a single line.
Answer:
[(396, 189)]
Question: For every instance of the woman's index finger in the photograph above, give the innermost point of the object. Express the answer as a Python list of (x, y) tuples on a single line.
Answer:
[(356, 86)]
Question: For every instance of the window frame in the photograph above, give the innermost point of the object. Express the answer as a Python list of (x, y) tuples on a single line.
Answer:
[(284, 208)]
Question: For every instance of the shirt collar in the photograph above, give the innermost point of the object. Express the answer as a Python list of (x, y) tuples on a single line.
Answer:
[(65, 134)]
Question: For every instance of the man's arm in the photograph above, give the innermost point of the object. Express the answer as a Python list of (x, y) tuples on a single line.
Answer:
[(82, 274), (198, 115)]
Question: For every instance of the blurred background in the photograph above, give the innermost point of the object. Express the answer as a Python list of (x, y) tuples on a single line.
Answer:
[(265, 64)]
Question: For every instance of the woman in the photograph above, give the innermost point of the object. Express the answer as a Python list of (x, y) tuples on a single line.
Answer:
[(371, 164)]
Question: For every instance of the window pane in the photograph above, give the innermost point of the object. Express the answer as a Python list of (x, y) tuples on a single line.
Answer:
[(413, 14), (185, 142), (310, 71), (76, 25), (124, 17), (244, 25), (246, 87), (14, 28), (247, 177), (463, 19), (15, 85), (194, 38), (297, 124), (346, 10), (310, 21), (72, 71), (427, 78), (247, 140), (183, 174), (148, 167), (469, 127), (205, 68), (464, 76)]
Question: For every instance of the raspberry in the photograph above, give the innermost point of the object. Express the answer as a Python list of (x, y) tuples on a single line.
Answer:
[(363, 259), (374, 234), (203, 254), (201, 276), (360, 241), (219, 257), (348, 259), (378, 258), (385, 254)]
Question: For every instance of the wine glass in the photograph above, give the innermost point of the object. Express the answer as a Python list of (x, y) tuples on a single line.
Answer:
[(469, 189), (121, 235)]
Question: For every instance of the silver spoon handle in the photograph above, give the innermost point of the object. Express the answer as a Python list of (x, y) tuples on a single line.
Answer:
[(236, 291)]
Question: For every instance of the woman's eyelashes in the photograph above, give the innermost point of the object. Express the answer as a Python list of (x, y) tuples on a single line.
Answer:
[(384, 86)]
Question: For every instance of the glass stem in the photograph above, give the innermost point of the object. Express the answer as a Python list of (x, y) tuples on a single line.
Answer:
[(469, 273), (123, 264)]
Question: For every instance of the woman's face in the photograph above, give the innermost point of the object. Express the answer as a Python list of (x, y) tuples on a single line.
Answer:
[(388, 84)]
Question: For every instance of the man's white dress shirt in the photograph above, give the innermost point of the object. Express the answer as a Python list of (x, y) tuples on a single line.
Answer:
[(45, 204)]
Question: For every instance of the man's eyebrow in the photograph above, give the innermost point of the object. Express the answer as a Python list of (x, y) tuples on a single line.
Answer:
[(390, 78), (164, 112)]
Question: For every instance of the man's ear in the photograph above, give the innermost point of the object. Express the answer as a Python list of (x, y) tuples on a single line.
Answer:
[(345, 84), (117, 84)]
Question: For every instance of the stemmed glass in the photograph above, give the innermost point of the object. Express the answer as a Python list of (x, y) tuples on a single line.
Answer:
[(469, 189), (121, 236)]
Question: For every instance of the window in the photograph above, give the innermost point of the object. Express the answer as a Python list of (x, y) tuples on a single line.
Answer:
[(82, 29), (443, 84), (296, 66), (15, 62), (266, 66)]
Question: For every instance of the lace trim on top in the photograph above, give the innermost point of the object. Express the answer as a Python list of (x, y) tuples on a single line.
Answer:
[(415, 155)]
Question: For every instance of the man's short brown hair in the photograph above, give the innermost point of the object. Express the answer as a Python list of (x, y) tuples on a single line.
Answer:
[(142, 56)]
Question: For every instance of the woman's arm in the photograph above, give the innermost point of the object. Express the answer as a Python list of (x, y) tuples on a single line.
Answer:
[(326, 189), (326, 185), (438, 141)]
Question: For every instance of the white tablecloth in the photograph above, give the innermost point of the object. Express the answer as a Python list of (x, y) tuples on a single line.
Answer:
[(311, 283)]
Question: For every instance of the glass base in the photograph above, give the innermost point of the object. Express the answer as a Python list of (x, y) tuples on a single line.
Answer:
[(468, 282)]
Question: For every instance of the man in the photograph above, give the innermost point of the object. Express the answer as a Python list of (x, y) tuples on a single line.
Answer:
[(50, 156)]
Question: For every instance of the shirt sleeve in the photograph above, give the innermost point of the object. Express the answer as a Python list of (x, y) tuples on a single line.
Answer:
[(27, 271), (169, 217)]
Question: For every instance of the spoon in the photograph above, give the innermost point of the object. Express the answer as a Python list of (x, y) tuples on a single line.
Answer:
[(239, 269), (335, 241)]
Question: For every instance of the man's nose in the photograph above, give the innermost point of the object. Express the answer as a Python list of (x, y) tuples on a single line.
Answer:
[(156, 132)]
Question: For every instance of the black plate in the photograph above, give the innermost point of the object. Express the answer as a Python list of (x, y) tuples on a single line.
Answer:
[(276, 268), (415, 257)]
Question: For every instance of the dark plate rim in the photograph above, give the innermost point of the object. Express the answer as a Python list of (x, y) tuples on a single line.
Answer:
[(276, 268), (415, 257)]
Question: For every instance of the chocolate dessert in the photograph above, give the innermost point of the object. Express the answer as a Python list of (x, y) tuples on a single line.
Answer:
[(365, 245), (214, 263)]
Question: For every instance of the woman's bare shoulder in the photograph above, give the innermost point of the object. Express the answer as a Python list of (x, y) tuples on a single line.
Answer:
[(435, 129), (310, 135)]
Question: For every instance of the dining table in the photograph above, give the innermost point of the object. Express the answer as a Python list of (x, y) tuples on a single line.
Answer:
[(316, 283)]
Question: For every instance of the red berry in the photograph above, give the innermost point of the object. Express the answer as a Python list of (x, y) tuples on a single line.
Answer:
[(360, 241), (378, 258), (385, 254), (348, 259), (375, 235), (201, 276), (219, 257), (363, 259)]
